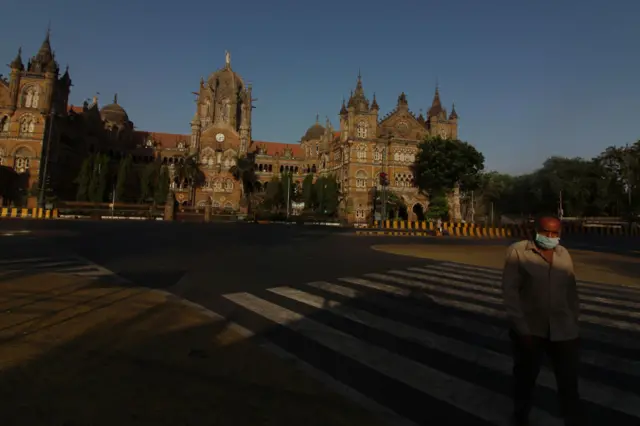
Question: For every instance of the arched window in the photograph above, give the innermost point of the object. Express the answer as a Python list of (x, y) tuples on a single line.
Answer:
[(27, 126), (377, 154), (361, 129), (30, 97), (3, 154), (228, 206), (228, 185), (22, 160), (361, 153), (217, 185), (4, 124), (361, 179)]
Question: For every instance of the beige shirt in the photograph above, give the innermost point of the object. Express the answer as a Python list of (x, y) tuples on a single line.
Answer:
[(541, 299)]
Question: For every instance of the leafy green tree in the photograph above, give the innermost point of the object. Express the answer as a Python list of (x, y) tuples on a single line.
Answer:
[(148, 178), (308, 195), (331, 196), (273, 198), (101, 177), (444, 163), (438, 208), (286, 187), (124, 172), (84, 179), (244, 171), (161, 189)]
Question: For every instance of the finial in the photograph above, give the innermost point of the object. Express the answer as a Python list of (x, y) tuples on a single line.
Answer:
[(20, 51), (227, 58), (48, 29), (359, 74), (115, 99), (317, 118)]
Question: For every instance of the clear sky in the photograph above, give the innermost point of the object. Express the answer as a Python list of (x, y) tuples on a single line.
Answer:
[(530, 79)]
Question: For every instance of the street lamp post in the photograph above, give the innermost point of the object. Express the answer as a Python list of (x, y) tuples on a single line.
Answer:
[(43, 178)]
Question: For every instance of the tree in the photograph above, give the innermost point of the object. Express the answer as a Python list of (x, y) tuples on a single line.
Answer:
[(273, 199), (244, 171), (148, 178), (327, 195), (331, 196), (308, 195), (442, 164), (161, 190), (100, 178), (286, 187), (438, 208), (9, 185), (123, 176), (84, 179)]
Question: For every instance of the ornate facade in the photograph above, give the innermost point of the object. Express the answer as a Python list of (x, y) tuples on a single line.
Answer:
[(363, 146)]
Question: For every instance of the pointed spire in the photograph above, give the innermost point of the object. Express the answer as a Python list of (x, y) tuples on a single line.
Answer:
[(436, 105), (421, 117), (374, 103), (17, 64), (454, 114), (402, 100), (115, 99), (343, 110), (317, 118)]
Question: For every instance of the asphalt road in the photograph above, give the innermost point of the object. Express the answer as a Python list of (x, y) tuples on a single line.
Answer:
[(391, 345)]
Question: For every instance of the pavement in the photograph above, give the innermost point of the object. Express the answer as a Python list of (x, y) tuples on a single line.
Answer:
[(370, 331)]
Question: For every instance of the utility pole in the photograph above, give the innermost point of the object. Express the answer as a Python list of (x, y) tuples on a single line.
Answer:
[(113, 201), (492, 214), (43, 178), (288, 193)]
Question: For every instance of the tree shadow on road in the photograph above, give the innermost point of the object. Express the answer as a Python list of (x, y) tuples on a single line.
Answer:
[(118, 357)]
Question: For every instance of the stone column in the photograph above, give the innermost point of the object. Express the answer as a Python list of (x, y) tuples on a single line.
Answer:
[(169, 207)]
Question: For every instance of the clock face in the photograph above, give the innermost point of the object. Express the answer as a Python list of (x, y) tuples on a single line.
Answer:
[(220, 137), (403, 128)]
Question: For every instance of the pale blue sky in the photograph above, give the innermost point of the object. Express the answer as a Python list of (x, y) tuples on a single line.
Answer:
[(529, 79)]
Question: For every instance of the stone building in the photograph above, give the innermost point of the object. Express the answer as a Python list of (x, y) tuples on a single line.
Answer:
[(34, 101), (30, 99)]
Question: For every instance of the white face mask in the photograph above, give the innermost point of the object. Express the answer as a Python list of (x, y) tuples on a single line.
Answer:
[(547, 243)]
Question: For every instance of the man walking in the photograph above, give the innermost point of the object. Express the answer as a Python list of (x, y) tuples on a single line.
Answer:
[(541, 299)]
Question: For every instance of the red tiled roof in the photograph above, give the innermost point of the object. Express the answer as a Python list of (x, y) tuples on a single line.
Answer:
[(165, 140), (278, 147), (76, 109)]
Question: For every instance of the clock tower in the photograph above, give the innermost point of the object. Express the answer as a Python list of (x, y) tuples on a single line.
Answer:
[(220, 133)]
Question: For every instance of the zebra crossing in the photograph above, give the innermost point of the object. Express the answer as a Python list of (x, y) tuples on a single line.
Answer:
[(430, 343), (65, 265)]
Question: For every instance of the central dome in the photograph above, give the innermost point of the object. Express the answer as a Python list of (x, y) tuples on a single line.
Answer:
[(314, 132), (114, 112)]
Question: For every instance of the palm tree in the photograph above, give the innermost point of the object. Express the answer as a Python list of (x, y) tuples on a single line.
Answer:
[(244, 172), (188, 172)]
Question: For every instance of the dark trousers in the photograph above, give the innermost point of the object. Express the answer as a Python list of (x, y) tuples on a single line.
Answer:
[(527, 359)]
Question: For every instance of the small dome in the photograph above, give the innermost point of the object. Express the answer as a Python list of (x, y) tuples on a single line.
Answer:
[(114, 113), (314, 132), (225, 78)]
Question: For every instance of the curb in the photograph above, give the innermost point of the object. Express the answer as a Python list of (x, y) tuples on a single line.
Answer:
[(394, 234)]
